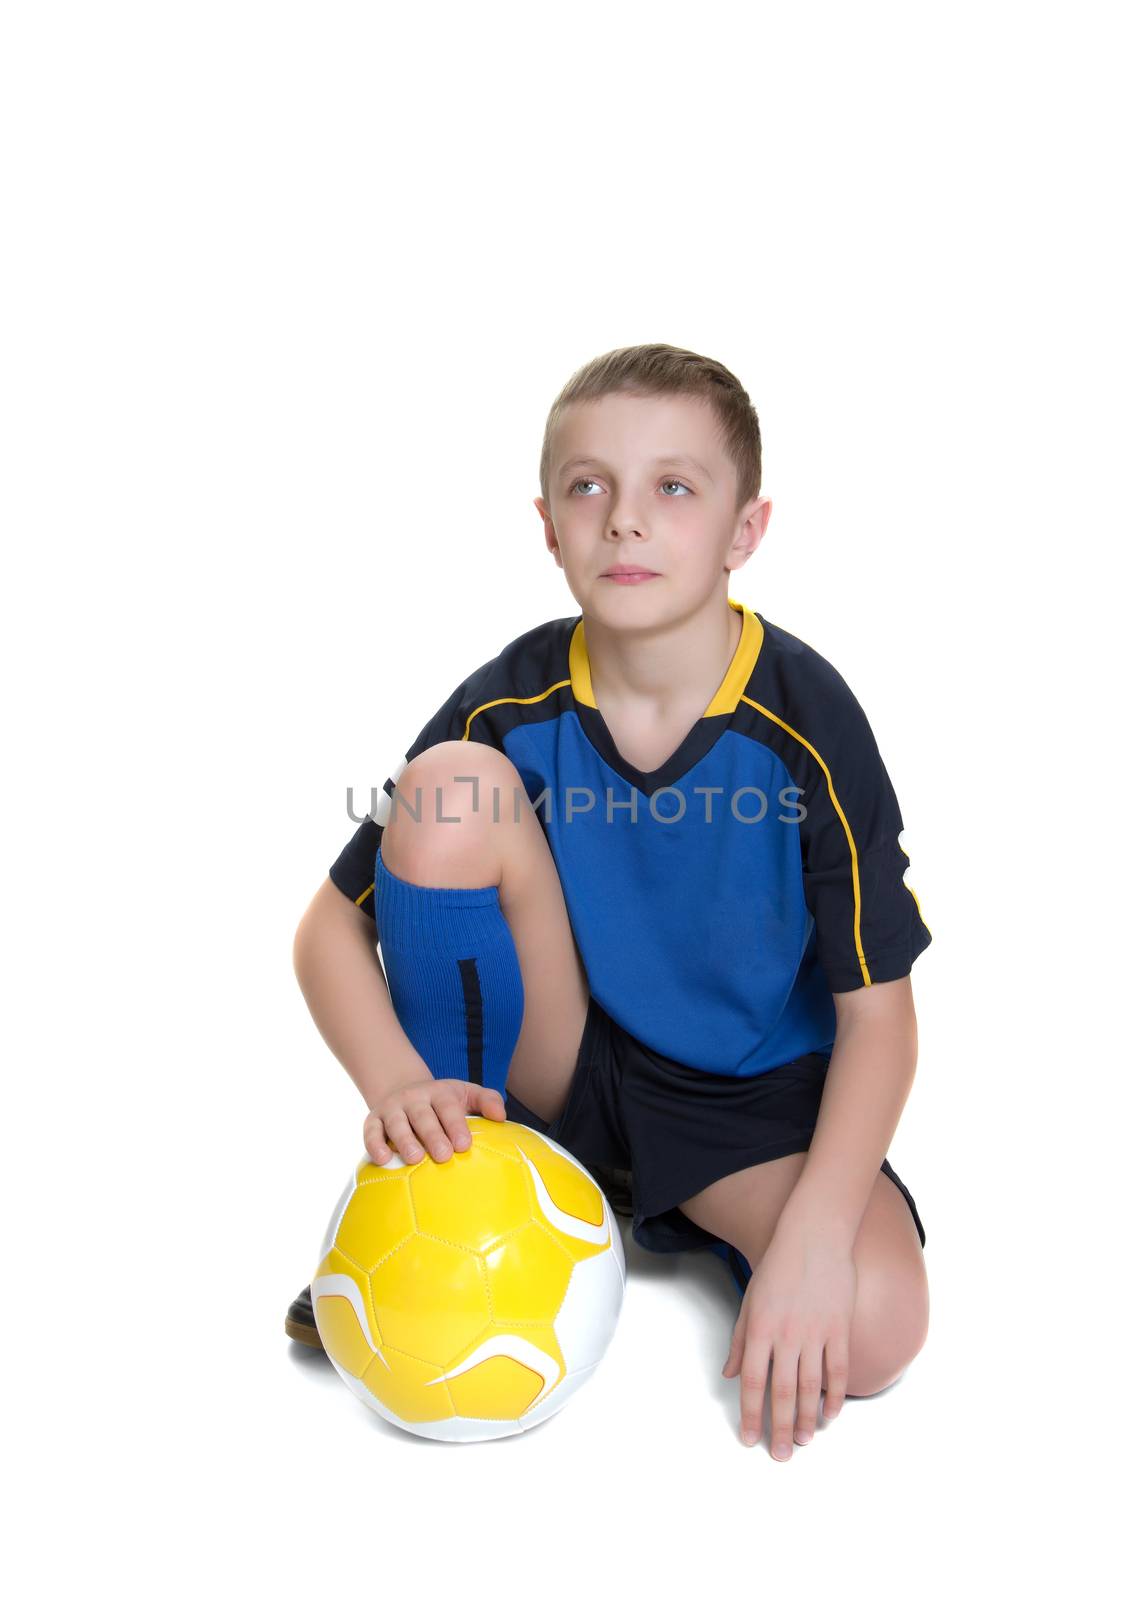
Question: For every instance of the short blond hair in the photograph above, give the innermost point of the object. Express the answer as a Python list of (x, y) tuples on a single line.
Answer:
[(652, 369)]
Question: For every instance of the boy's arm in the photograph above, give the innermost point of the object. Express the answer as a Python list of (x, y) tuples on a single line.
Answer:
[(869, 933), (338, 971), (868, 1081)]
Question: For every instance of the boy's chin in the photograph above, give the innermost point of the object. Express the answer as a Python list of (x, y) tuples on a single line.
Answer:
[(627, 607)]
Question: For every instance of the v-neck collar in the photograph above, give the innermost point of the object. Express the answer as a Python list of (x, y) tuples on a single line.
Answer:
[(704, 733)]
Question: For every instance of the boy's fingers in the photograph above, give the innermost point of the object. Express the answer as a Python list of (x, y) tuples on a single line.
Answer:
[(732, 1364), (785, 1365), (808, 1392), (836, 1365), (442, 1127), (426, 1124), (402, 1138), (486, 1102), (753, 1377), (453, 1120)]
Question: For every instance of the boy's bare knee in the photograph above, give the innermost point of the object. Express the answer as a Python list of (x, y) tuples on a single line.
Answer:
[(455, 782), (884, 1343), (441, 826)]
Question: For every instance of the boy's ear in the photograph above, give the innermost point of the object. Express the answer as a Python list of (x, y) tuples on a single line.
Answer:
[(550, 532), (758, 512), (751, 530)]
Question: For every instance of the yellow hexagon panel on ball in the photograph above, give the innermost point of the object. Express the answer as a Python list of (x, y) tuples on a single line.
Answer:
[(471, 1298)]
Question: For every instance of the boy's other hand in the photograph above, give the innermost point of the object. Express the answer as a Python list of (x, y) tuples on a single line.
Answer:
[(432, 1111), (797, 1313)]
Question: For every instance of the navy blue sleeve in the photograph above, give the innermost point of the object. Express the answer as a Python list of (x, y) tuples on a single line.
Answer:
[(869, 927)]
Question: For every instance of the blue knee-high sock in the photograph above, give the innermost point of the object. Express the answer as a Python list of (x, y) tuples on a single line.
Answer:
[(453, 975)]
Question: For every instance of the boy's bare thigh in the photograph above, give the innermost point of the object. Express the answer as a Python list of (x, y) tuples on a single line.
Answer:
[(503, 845), (745, 1206)]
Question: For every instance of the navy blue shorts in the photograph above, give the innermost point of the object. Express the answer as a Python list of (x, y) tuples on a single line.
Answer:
[(677, 1129)]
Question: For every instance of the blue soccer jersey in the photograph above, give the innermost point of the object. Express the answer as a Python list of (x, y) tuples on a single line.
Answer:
[(720, 901)]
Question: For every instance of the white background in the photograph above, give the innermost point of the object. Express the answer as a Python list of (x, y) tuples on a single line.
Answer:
[(289, 291)]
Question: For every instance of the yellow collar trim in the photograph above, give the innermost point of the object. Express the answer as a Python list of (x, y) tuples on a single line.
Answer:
[(725, 699)]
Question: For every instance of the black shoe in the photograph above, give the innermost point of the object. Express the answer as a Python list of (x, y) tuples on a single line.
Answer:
[(300, 1323), (618, 1187)]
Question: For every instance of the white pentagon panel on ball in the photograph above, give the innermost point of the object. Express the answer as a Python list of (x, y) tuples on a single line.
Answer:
[(591, 1309)]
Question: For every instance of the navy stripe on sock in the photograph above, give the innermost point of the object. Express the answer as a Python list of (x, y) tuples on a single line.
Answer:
[(471, 990)]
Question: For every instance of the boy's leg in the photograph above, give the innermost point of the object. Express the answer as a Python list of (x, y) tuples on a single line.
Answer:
[(503, 846), (496, 839), (889, 1324)]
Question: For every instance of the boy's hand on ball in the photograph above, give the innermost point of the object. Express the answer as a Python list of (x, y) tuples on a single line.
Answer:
[(427, 1115)]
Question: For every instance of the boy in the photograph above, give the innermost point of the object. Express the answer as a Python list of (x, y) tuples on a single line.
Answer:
[(642, 873)]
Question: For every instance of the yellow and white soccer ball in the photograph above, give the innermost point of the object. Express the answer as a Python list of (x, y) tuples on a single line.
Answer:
[(471, 1298)]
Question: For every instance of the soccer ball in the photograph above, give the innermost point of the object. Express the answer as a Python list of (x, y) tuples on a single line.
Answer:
[(470, 1298)]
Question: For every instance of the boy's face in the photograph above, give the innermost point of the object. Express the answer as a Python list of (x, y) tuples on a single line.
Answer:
[(613, 500)]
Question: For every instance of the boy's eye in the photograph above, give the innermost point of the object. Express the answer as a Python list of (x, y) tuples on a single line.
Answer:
[(573, 487)]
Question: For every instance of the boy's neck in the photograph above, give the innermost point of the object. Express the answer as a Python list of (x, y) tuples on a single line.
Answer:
[(663, 667)]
